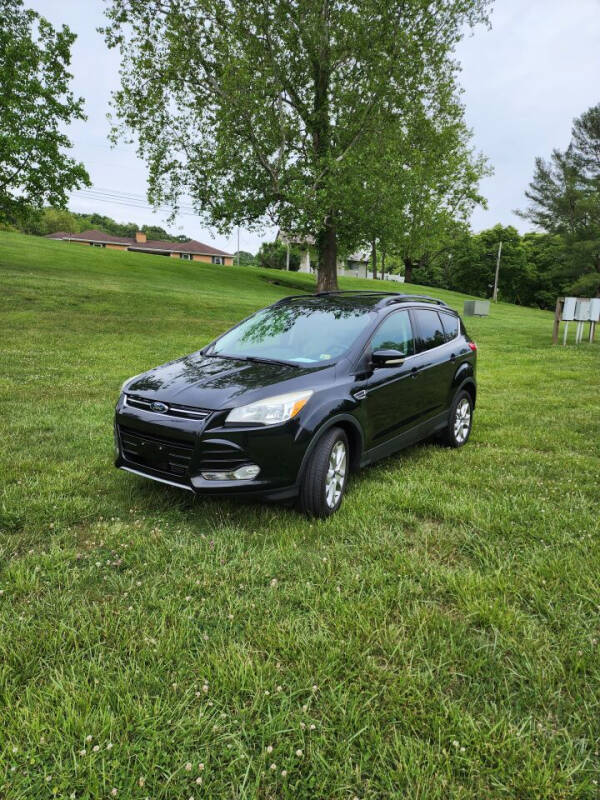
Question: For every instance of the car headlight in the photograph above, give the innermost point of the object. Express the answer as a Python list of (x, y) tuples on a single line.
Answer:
[(271, 410)]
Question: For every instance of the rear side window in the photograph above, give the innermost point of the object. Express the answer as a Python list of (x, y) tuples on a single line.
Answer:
[(430, 328), (450, 323), (395, 333)]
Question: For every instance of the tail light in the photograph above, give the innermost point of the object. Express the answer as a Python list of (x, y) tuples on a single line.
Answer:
[(473, 346)]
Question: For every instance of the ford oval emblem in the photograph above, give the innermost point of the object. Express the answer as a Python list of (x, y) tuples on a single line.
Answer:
[(160, 408)]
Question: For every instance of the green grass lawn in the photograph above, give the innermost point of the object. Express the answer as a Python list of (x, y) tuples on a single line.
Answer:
[(438, 638)]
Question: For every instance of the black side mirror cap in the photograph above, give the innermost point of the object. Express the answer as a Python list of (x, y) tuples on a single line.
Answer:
[(387, 358)]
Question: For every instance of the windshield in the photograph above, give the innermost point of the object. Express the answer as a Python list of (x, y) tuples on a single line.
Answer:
[(305, 332)]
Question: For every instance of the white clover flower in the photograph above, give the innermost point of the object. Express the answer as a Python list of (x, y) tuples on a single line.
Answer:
[(299, 753), (188, 766), (273, 767), (269, 748)]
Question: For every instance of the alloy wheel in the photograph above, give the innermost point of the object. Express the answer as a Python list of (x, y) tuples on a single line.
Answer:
[(336, 474), (462, 421)]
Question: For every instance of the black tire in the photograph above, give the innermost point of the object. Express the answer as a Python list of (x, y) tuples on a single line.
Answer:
[(316, 498), (460, 421)]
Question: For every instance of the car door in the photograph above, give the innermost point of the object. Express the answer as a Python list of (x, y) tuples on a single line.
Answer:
[(392, 394), (435, 361)]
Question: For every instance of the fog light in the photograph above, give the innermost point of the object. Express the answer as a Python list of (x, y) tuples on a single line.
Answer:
[(245, 473)]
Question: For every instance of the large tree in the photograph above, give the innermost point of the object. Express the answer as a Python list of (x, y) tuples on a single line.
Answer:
[(254, 109), (437, 189), (564, 200), (35, 106)]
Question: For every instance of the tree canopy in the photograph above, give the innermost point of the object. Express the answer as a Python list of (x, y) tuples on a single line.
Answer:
[(564, 200), (273, 111), (36, 105)]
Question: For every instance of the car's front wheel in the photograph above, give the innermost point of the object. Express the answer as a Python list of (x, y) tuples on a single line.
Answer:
[(324, 480)]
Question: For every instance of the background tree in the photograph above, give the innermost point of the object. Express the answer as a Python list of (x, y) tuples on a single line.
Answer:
[(417, 185), (36, 104), (474, 265), (273, 255), (245, 258), (254, 108), (564, 200)]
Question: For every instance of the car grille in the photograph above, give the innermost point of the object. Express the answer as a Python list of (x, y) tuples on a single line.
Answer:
[(221, 457), (157, 453), (173, 409)]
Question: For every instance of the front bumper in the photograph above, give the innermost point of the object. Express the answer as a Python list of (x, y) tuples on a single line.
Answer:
[(177, 451)]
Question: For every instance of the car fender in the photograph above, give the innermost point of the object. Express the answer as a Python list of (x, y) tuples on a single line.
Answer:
[(328, 423), (463, 376)]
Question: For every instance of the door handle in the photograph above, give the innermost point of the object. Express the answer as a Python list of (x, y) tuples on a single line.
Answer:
[(453, 357), (414, 371)]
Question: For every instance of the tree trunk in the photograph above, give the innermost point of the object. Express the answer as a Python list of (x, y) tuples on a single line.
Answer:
[(374, 259), (408, 268), (327, 252), (383, 265)]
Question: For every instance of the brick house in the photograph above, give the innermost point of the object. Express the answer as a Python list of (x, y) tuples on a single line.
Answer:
[(187, 251)]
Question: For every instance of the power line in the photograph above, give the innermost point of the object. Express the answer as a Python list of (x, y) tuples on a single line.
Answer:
[(130, 200)]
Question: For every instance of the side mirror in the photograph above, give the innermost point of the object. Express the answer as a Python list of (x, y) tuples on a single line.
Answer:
[(387, 358)]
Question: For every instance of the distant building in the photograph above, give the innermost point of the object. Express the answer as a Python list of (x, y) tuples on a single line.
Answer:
[(356, 264), (187, 251)]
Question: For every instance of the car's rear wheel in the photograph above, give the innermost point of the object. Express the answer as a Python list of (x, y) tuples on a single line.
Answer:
[(324, 480), (460, 420)]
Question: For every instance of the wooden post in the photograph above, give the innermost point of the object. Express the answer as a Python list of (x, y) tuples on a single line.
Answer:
[(557, 315)]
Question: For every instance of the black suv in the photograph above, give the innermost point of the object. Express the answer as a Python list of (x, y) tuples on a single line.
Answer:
[(286, 403)]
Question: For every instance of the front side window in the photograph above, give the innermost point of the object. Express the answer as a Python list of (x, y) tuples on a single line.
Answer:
[(185, 256), (304, 332), (217, 260), (431, 332), (395, 333)]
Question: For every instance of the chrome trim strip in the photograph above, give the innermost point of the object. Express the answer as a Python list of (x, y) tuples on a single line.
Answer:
[(172, 411), (158, 480)]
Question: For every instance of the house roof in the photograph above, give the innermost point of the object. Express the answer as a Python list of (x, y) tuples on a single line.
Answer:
[(197, 248)]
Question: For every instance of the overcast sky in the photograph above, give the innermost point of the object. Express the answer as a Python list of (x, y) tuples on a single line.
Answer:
[(524, 80)]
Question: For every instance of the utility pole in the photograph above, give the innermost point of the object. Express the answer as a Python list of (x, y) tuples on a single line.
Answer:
[(495, 292), (238, 245), (287, 257)]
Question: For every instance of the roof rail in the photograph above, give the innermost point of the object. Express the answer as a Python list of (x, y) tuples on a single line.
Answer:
[(355, 291), (336, 292), (419, 297), (386, 297)]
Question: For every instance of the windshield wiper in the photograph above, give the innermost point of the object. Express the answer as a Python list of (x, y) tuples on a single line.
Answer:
[(261, 360), (255, 359)]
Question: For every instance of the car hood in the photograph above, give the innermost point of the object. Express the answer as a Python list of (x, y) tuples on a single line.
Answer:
[(217, 383)]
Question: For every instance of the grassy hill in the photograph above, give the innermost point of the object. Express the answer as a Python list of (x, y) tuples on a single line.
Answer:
[(438, 638)]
